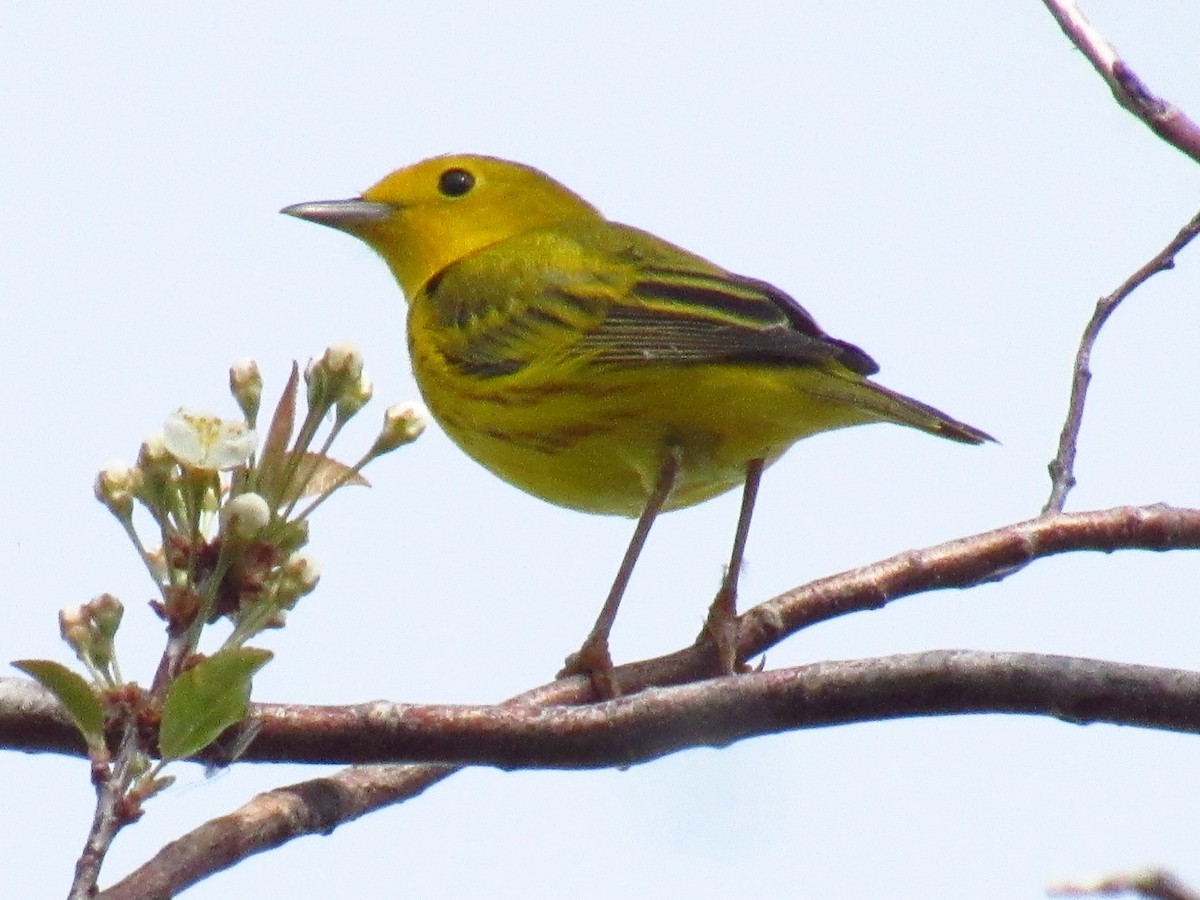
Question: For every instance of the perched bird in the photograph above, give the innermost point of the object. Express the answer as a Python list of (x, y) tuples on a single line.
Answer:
[(600, 367)]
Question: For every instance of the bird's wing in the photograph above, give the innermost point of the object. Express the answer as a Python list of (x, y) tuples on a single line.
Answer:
[(613, 296), (686, 315)]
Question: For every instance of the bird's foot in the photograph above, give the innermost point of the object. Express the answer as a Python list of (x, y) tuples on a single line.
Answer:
[(721, 632), (593, 660)]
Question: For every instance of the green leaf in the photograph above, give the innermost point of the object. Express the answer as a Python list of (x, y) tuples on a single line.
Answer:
[(206, 699), (79, 699)]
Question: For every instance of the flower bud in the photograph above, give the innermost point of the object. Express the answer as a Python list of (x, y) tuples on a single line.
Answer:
[(343, 360), (116, 486), (354, 397), (299, 576), (245, 515), (154, 453), (338, 369), (403, 423), (246, 384), (75, 626), (106, 612)]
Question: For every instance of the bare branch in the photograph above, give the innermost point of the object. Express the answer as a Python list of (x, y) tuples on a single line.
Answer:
[(30, 720), (637, 729), (722, 711), (1062, 467), (270, 820), (1173, 126), (111, 815), (1085, 688), (1164, 119)]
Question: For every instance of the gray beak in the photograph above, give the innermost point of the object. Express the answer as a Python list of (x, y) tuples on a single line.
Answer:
[(344, 215)]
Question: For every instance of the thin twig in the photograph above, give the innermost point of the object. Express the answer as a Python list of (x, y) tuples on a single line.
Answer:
[(1062, 467), (1163, 118), (112, 787), (1173, 126)]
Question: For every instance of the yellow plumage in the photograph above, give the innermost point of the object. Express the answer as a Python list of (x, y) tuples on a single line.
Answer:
[(595, 365)]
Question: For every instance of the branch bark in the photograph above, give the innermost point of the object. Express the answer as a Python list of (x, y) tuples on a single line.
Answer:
[(30, 720), (638, 729), (1062, 467), (1162, 117), (721, 711), (717, 711)]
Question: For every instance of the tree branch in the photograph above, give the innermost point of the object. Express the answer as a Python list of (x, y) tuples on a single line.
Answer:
[(641, 728), (721, 711), (1163, 118), (939, 682), (1173, 126), (1062, 467), (31, 720)]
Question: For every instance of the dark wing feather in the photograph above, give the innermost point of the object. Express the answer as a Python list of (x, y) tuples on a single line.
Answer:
[(677, 315)]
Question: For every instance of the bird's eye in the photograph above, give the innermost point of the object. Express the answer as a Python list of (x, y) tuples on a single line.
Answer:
[(456, 182)]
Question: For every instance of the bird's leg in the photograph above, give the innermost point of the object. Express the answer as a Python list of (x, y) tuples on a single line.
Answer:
[(593, 658), (721, 626)]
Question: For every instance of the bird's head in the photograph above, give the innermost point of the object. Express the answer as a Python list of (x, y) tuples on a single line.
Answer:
[(423, 218)]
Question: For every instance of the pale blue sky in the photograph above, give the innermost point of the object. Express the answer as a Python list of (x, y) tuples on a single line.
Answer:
[(947, 184)]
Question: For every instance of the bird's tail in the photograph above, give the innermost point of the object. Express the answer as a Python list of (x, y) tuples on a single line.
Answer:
[(890, 406)]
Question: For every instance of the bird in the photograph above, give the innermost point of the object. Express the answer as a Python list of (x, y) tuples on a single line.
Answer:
[(601, 368)]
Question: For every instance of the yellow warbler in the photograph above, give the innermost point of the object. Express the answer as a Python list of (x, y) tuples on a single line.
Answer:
[(599, 367)]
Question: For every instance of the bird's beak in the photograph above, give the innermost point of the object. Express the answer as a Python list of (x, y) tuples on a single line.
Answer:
[(353, 215)]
